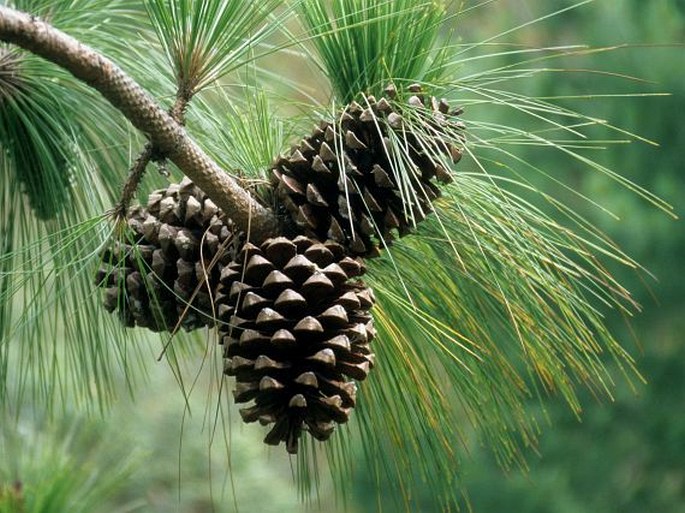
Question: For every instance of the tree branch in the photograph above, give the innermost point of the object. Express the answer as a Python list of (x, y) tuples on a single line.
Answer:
[(137, 170), (135, 174), (143, 112)]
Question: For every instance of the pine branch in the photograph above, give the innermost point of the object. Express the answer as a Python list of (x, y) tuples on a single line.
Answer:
[(143, 112), (135, 175), (137, 170)]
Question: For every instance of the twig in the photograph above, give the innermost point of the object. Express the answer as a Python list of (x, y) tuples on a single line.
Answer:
[(137, 170), (142, 111), (135, 175)]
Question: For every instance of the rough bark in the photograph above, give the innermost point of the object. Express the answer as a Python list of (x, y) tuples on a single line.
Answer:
[(137, 170), (143, 112)]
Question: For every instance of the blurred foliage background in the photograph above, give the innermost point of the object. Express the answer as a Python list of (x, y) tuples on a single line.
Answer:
[(626, 456), (623, 456)]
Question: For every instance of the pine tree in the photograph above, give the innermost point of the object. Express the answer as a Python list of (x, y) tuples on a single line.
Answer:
[(484, 289)]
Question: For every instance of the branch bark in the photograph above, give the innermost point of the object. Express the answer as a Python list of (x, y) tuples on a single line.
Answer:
[(143, 112), (137, 170), (135, 174)]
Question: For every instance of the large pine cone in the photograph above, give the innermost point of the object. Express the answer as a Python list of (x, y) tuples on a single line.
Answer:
[(160, 277), (370, 196), (295, 326)]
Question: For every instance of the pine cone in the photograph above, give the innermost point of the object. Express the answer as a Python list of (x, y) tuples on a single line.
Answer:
[(300, 328), (182, 241), (371, 197)]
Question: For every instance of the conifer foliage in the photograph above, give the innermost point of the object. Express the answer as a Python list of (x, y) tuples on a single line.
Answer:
[(492, 299)]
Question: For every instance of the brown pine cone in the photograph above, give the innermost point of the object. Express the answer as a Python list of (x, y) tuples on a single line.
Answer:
[(161, 276), (344, 183), (300, 330)]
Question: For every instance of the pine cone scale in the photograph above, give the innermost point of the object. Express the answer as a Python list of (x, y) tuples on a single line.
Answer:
[(287, 343), (344, 182), (161, 278)]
